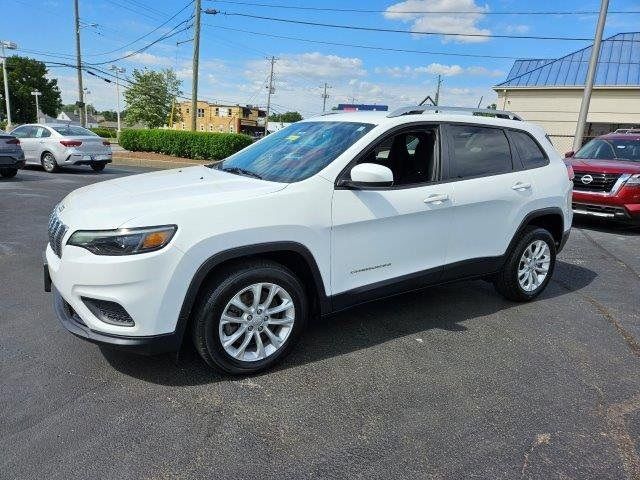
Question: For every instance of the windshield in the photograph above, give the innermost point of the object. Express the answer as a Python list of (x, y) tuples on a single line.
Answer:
[(611, 149), (296, 152), (73, 130)]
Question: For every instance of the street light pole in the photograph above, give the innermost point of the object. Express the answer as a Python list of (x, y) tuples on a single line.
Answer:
[(10, 46), (36, 94), (591, 74), (78, 61), (118, 71)]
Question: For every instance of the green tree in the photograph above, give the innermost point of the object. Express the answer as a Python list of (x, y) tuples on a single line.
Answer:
[(109, 115), (24, 76), (150, 97), (287, 117)]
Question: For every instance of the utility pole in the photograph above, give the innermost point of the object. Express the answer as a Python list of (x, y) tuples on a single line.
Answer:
[(118, 71), (436, 101), (324, 97), (79, 62), (196, 59), (86, 106), (36, 94), (10, 46), (591, 73), (271, 91)]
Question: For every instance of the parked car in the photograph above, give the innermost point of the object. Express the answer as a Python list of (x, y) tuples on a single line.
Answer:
[(11, 155), (607, 177), (320, 216), (58, 145)]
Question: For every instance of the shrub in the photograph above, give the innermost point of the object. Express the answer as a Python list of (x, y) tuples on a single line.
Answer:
[(104, 132), (196, 145)]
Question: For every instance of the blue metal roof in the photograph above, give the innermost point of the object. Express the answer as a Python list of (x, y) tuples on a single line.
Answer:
[(618, 65)]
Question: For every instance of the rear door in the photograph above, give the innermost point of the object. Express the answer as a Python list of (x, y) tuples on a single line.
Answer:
[(26, 135), (490, 193)]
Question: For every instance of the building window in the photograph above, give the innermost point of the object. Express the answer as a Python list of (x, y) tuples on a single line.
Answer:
[(210, 128), (217, 112), (202, 128), (187, 110), (182, 125), (229, 112), (201, 112), (231, 129)]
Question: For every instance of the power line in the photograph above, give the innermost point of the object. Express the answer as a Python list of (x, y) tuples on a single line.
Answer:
[(416, 12), (212, 11), (366, 47)]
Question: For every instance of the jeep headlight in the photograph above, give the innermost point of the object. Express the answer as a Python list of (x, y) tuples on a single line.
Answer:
[(124, 241)]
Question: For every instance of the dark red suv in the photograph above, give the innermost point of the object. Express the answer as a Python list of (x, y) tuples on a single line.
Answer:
[(607, 177)]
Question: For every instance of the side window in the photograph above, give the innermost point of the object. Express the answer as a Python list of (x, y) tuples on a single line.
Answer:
[(479, 151), (411, 156), (21, 132), (41, 132), (530, 153)]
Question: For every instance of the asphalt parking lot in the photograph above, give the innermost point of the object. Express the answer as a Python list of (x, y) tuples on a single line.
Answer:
[(452, 382)]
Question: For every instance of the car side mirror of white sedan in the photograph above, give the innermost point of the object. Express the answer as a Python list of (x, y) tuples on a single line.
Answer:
[(370, 175)]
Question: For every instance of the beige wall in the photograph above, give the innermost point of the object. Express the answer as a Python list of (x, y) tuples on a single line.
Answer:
[(216, 118), (556, 110)]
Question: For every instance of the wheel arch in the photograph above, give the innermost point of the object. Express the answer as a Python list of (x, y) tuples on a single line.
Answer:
[(551, 219), (292, 255)]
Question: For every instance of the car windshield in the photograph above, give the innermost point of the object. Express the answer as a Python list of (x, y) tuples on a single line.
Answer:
[(295, 152), (72, 130), (611, 149)]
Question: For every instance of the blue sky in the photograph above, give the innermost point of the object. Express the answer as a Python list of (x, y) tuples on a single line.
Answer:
[(234, 68)]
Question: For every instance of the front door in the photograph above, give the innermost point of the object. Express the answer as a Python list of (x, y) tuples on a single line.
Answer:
[(394, 236)]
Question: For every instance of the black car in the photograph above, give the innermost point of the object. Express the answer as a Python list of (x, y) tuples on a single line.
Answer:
[(11, 155)]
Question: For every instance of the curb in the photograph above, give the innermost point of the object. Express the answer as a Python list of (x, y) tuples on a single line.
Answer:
[(155, 163)]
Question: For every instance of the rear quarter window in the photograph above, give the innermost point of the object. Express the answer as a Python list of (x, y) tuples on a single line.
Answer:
[(479, 151), (530, 152)]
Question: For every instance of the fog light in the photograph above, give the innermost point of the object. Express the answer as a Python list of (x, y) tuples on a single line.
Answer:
[(109, 312)]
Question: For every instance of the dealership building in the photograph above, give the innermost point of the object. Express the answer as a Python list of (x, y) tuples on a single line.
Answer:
[(549, 91)]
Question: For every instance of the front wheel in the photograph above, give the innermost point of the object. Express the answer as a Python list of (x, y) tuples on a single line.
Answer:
[(528, 267), (249, 317), (49, 163), (8, 172)]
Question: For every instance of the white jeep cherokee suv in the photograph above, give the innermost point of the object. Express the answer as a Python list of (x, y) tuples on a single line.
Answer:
[(322, 215)]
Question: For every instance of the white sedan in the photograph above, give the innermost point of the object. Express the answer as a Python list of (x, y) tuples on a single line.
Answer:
[(59, 145)]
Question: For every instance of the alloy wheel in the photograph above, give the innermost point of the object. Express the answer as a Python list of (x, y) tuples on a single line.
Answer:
[(256, 322), (533, 267)]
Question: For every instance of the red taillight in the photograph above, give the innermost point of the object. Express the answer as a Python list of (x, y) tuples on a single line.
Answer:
[(13, 141), (570, 171), (71, 143), (106, 143)]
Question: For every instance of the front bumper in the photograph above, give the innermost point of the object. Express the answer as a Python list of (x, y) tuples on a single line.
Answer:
[(623, 205), (149, 345), (7, 161)]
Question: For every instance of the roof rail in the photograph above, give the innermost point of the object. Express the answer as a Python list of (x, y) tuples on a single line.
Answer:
[(482, 112)]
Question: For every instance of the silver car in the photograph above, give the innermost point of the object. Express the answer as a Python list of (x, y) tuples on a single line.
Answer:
[(58, 145)]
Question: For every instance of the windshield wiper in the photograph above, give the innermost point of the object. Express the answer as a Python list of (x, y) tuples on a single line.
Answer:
[(240, 171)]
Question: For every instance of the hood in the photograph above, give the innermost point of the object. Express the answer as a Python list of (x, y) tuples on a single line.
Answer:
[(603, 166), (110, 204)]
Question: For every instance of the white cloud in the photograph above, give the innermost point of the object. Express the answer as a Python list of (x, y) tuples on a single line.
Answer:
[(313, 65), (440, 69), (484, 71), (517, 29), (439, 20), (437, 69), (145, 58)]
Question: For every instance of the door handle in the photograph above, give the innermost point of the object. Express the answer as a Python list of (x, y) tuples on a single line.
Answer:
[(436, 198), (520, 186)]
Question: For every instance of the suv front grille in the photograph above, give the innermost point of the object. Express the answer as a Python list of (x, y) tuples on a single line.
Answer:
[(601, 182), (57, 231)]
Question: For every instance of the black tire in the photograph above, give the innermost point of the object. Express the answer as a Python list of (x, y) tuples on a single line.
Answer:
[(506, 280), (98, 167), (216, 295), (49, 163), (8, 172)]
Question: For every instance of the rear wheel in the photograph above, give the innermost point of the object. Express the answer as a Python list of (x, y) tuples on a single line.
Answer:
[(8, 172), (98, 167), (49, 163), (529, 266), (249, 317)]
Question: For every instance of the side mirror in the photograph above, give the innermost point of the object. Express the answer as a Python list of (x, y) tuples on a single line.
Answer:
[(371, 175), (569, 154)]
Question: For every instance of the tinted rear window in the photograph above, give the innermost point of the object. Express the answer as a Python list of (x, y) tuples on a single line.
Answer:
[(480, 151), (73, 130), (530, 153)]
